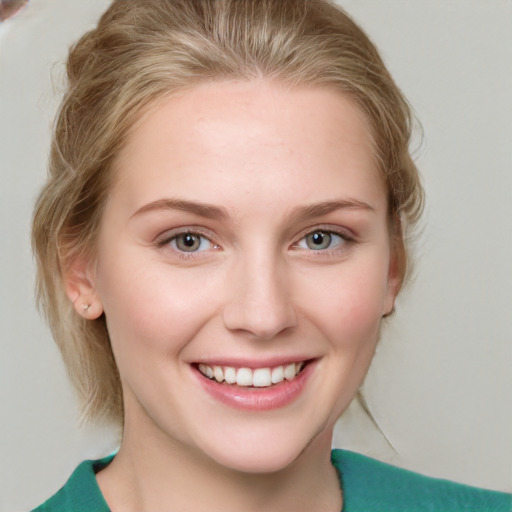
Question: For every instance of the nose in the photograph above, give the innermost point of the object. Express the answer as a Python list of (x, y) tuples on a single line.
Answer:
[(260, 300)]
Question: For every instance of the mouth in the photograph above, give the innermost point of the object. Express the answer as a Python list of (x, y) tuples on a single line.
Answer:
[(245, 377), (255, 388)]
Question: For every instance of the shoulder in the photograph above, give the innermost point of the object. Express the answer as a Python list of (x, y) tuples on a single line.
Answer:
[(81, 492), (369, 484)]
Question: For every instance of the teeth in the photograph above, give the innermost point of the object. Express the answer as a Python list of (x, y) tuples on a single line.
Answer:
[(244, 377), (277, 374), (289, 371), (258, 378), (261, 378), (218, 373), (206, 370), (229, 375)]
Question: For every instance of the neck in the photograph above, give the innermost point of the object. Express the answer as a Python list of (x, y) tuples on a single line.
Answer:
[(160, 474)]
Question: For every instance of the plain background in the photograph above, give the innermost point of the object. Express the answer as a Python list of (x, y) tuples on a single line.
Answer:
[(441, 384)]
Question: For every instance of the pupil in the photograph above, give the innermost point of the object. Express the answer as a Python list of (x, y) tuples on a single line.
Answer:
[(318, 238), (190, 240)]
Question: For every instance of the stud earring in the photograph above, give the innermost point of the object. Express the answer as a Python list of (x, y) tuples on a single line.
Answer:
[(86, 307)]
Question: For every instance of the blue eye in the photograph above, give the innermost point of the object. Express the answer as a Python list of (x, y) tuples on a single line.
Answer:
[(320, 240), (190, 242)]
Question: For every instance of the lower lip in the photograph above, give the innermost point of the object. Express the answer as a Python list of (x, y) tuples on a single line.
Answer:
[(257, 399)]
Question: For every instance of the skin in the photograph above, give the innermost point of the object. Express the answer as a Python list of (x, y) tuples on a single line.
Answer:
[(256, 289)]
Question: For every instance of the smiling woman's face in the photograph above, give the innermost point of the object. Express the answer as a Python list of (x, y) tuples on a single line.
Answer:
[(244, 265)]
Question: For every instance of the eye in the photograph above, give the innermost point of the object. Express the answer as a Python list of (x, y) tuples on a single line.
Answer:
[(190, 242), (321, 240)]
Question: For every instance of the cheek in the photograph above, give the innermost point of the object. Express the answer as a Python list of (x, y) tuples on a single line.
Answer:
[(152, 307), (350, 301)]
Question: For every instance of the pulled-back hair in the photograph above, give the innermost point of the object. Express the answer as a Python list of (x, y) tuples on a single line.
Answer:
[(142, 50)]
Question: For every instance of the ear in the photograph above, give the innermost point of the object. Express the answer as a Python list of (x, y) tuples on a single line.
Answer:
[(393, 286), (397, 262), (80, 285)]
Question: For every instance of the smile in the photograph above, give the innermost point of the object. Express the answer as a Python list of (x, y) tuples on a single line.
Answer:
[(255, 377)]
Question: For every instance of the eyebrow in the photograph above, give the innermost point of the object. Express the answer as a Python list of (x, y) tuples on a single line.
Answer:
[(201, 209), (209, 211), (325, 207)]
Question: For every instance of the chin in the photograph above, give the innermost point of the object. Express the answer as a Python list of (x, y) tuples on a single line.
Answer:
[(261, 454), (258, 461)]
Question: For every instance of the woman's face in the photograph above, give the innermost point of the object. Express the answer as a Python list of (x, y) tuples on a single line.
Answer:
[(245, 242)]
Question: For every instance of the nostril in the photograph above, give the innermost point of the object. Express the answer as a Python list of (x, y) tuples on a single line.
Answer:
[(262, 323)]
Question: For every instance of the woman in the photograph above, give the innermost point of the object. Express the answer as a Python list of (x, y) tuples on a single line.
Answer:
[(219, 240)]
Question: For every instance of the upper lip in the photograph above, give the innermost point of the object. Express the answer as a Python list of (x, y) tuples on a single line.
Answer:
[(251, 363)]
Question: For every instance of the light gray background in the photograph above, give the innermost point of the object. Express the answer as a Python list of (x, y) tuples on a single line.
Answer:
[(441, 384)]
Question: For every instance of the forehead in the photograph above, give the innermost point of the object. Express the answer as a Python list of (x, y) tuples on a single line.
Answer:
[(223, 136)]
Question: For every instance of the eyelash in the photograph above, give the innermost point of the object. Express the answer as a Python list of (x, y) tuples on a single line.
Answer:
[(169, 238), (345, 239)]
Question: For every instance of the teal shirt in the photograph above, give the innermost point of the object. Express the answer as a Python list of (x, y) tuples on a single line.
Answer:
[(367, 485)]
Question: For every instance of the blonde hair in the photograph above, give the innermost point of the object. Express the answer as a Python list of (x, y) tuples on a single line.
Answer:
[(144, 49)]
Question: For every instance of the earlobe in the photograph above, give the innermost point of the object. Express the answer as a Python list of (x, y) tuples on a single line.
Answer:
[(79, 281)]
